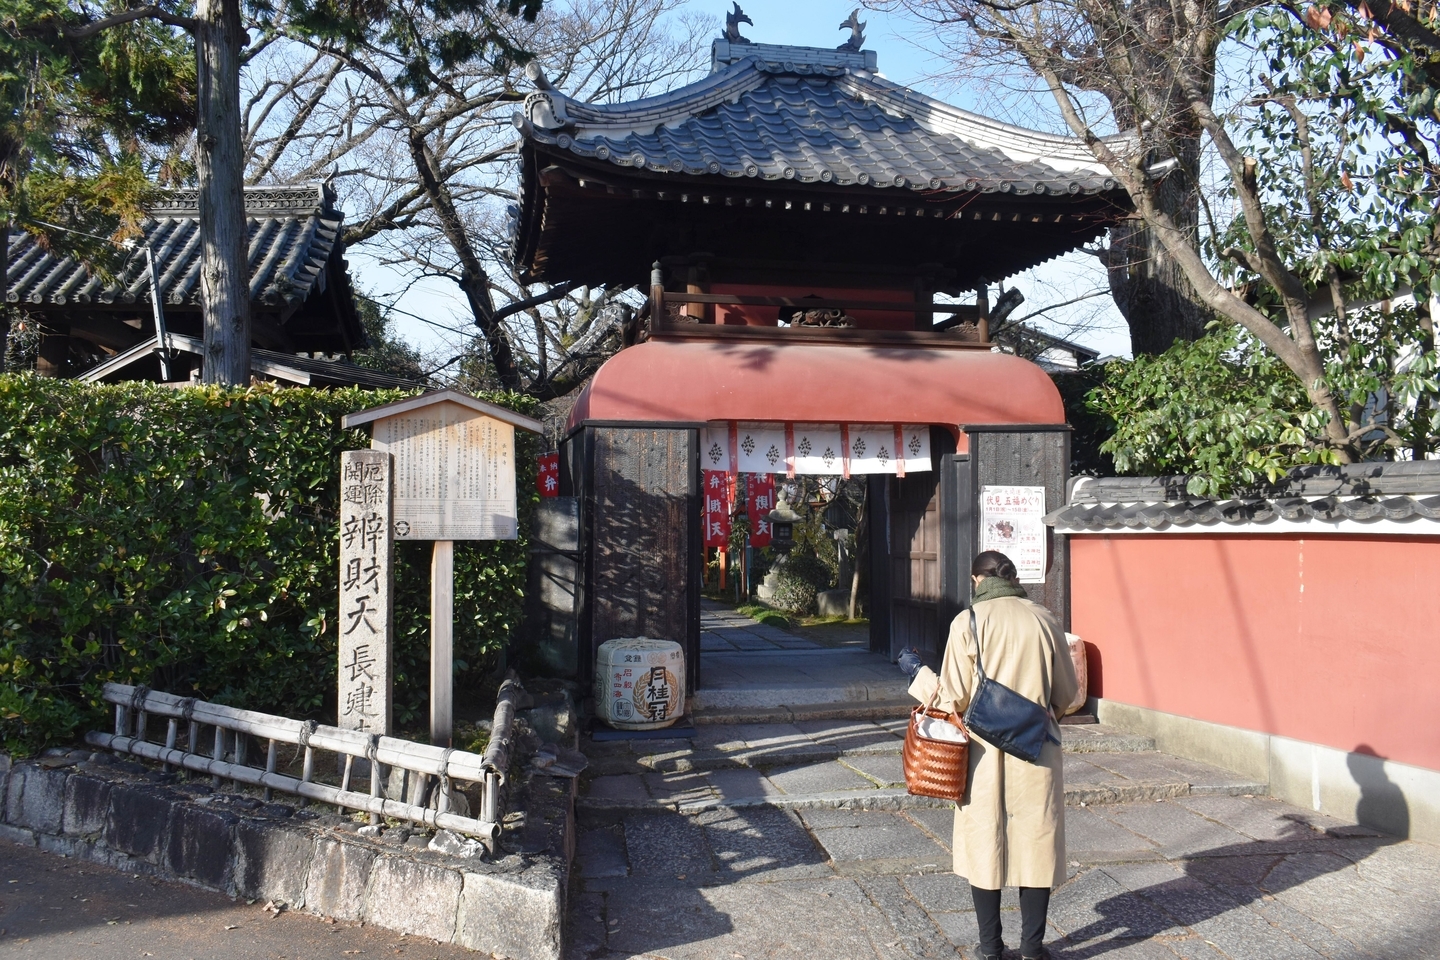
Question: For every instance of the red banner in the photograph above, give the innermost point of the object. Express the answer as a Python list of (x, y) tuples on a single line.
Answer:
[(759, 501), (716, 508), (547, 478)]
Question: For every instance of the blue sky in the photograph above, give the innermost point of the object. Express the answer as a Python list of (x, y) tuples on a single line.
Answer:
[(901, 57)]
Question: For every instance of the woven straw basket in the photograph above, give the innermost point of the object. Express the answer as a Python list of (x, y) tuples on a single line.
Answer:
[(934, 768)]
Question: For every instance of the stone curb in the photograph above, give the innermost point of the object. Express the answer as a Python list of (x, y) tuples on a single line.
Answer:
[(1109, 743), (135, 819), (820, 695), (708, 758), (894, 798), (861, 710)]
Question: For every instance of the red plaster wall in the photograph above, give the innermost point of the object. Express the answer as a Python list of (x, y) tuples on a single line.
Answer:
[(770, 316), (1333, 640)]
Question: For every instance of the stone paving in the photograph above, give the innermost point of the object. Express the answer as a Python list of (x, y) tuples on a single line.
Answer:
[(722, 630), (856, 763), (781, 830), (745, 664), (1202, 878)]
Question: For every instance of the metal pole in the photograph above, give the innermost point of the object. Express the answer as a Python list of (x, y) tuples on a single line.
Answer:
[(162, 335)]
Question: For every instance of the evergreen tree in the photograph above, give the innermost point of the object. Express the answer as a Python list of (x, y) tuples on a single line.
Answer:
[(222, 46)]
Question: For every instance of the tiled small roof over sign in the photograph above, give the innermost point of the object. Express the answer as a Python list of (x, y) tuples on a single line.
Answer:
[(813, 115), (1355, 496)]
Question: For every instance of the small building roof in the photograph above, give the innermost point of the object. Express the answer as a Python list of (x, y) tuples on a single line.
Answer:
[(801, 156), (815, 116), (299, 287), (434, 397), (697, 381)]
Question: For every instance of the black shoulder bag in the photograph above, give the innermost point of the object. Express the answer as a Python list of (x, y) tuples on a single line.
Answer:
[(1015, 724)]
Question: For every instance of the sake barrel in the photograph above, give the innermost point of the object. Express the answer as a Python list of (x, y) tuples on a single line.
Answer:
[(640, 683)]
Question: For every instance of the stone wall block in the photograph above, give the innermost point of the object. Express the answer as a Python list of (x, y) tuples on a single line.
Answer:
[(71, 847), (9, 834), (35, 797), (339, 875), (138, 820), (5, 764), (200, 844), (413, 897), (514, 915), (272, 861), (87, 799)]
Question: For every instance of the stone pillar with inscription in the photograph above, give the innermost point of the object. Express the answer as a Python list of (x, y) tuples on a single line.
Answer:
[(366, 620)]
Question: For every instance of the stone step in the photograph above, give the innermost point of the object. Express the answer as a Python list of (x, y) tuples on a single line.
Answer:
[(891, 709), (856, 685), (875, 781), (748, 743)]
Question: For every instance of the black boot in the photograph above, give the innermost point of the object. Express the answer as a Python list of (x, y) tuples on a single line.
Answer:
[(978, 952)]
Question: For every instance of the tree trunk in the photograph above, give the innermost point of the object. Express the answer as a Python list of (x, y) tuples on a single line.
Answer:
[(5, 310), (1152, 293), (224, 233)]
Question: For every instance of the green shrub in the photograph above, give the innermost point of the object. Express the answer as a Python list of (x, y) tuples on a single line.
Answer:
[(185, 539), (799, 577)]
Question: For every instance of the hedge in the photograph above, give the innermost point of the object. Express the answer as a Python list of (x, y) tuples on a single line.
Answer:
[(186, 539)]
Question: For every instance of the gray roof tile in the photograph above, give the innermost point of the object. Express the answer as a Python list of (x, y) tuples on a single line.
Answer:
[(1364, 492), (293, 233), (813, 115)]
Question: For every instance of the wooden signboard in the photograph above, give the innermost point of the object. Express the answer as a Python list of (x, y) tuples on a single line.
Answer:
[(454, 479), (455, 473)]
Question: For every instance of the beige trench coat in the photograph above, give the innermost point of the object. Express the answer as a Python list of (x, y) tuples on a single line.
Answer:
[(1010, 828)]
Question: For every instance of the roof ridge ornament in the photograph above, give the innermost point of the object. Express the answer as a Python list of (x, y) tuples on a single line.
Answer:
[(732, 25), (536, 73), (857, 32)]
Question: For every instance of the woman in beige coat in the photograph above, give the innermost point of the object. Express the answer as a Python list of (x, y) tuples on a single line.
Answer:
[(1010, 827)]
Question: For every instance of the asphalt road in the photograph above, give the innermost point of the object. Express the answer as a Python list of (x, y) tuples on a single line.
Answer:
[(53, 908)]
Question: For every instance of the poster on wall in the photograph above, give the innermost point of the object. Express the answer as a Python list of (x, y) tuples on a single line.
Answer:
[(1012, 521)]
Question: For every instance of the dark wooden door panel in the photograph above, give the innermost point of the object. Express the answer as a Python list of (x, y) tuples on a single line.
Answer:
[(915, 563)]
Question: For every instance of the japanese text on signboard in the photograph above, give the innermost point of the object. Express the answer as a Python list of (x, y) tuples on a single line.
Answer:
[(1012, 521), (365, 623)]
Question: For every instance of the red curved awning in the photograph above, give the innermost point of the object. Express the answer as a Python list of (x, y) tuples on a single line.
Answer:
[(701, 380)]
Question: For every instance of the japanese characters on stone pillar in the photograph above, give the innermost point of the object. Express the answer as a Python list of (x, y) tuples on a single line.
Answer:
[(366, 620)]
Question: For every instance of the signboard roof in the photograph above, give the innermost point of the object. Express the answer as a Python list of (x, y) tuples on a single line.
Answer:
[(441, 396)]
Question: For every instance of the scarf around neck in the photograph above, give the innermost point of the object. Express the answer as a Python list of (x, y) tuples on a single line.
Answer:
[(993, 587)]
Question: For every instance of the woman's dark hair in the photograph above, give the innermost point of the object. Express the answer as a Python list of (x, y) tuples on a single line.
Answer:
[(993, 563)]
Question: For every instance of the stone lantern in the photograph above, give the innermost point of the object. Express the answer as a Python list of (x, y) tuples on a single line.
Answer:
[(782, 525)]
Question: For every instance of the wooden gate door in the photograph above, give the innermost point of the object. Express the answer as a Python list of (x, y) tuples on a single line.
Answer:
[(915, 565)]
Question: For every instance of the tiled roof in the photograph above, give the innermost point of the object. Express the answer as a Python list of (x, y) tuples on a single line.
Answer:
[(293, 232), (815, 116), (1366, 493)]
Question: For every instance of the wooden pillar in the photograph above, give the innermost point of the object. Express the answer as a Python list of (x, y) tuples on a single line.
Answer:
[(658, 316), (442, 643), (54, 350), (697, 281), (982, 305)]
